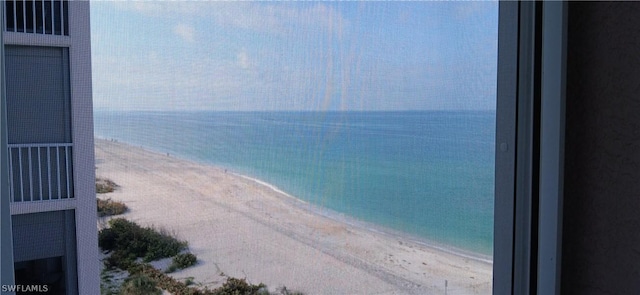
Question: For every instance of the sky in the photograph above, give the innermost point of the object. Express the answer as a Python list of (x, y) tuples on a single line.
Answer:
[(294, 56)]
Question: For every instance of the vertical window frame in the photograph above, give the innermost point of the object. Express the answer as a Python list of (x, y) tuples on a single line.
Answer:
[(6, 236), (529, 147), (503, 248), (553, 87)]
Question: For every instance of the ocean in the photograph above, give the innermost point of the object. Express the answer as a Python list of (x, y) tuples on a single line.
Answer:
[(429, 174)]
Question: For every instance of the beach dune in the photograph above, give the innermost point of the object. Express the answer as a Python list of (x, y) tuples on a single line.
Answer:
[(242, 228)]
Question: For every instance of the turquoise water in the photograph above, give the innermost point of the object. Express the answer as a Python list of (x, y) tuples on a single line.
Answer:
[(429, 174)]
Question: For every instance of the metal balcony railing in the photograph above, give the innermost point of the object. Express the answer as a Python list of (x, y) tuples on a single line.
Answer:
[(40, 172), (48, 17)]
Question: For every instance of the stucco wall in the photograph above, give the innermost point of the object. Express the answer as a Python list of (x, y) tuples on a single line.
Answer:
[(601, 239)]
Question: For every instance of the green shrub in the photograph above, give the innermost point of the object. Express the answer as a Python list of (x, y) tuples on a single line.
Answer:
[(120, 259), (140, 284), (234, 286), (129, 241), (107, 284), (166, 282), (171, 268), (108, 207), (104, 186), (184, 260), (107, 239), (181, 261)]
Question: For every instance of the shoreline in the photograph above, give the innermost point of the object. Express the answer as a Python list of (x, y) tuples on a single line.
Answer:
[(319, 229), (336, 215), (370, 226)]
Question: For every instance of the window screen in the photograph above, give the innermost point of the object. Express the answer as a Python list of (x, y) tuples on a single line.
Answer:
[(332, 148)]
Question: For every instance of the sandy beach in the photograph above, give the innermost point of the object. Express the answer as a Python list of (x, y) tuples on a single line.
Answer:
[(243, 228)]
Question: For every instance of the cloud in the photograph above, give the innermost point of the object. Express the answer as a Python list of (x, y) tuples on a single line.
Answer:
[(157, 8), (157, 80), (243, 59), (186, 32), (263, 56), (463, 11), (280, 19)]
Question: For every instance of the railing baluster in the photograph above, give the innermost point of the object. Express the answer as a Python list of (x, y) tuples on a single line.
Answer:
[(58, 171), (5, 25), (53, 17), (66, 160), (44, 19), (33, 12), (30, 176), (40, 172), (11, 188), (61, 18), (24, 16), (21, 183), (49, 171), (15, 15)]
